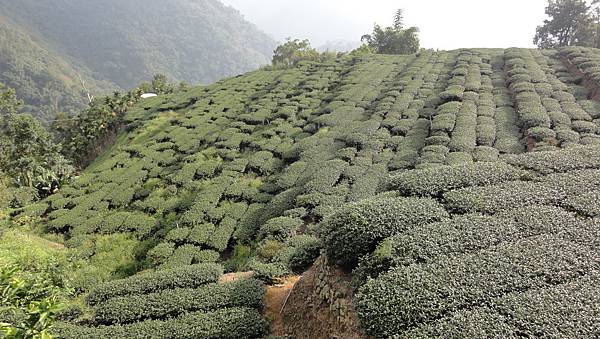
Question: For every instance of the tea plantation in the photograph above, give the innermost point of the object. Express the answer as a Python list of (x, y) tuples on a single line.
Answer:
[(461, 188)]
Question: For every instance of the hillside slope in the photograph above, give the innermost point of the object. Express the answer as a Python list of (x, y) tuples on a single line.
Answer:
[(43, 78), (125, 42), (463, 182)]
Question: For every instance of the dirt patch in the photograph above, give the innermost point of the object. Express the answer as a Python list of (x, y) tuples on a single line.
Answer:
[(275, 300), (56, 246), (229, 277)]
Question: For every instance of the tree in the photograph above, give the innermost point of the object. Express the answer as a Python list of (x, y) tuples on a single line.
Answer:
[(9, 104), (159, 85), (571, 22), (29, 155), (394, 39), (294, 51)]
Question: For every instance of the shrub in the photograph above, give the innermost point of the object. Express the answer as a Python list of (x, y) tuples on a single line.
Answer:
[(533, 115), (161, 252), (178, 235), (541, 133), (169, 303), (559, 118), (586, 204), (464, 234), (566, 135), (356, 228), (443, 122), (188, 255), (226, 323), (180, 277), (452, 93), (220, 238), (302, 251), (250, 223), (408, 296), (478, 322), (268, 249), (584, 126), (560, 161), (280, 228), (435, 181), (507, 134), (485, 154), (551, 189), (486, 131), (267, 272), (200, 234)]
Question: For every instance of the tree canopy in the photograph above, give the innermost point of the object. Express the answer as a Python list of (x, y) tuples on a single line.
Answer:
[(570, 23), (29, 155), (395, 39), (293, 51)]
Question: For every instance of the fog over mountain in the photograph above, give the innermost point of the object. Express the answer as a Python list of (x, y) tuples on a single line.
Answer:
[(444, 25)]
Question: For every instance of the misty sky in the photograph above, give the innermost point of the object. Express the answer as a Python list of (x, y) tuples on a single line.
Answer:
[(443, 24)]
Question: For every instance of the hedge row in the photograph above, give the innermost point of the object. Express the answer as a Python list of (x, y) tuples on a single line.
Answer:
[(565, 160), (356, 228), (550, 190), (226, 323), (463, 234), (562, 311), (169, 303), (435, 181), (181, 277), (408, 296)]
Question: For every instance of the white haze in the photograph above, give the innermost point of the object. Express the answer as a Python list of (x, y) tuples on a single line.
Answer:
[(443, 24)]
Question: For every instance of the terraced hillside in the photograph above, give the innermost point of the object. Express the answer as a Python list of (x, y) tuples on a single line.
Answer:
[(459, 187)]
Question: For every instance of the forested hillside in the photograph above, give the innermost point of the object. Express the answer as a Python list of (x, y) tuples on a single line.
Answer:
[(44, 79), (125, 42), (56, 53), (459, 187)]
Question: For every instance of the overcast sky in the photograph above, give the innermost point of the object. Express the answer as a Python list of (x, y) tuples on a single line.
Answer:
[(443, 24)]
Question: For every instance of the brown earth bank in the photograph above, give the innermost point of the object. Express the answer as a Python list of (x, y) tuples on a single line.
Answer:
[(318, 306)]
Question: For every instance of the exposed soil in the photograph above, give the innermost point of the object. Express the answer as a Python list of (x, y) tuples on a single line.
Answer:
[(229, 277), (275, 300), (56, 246)]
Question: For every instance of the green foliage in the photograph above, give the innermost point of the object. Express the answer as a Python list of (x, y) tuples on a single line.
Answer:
[(267, 272), (434, 181), (355, 229), (300, 253), (30, 157), (570, 23), (294, 51), (395, 39), (180, 277), (280, 228), (408, 296), (224, 323), (137, 49), (463, 234), (28, 304), (164, 304), (43, 78)]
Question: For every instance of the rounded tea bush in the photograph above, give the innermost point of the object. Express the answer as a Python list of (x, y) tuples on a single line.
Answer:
[(355, 229)]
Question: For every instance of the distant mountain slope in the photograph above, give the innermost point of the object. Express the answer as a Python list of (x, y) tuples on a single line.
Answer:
[(125, 42), (45, 80)]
